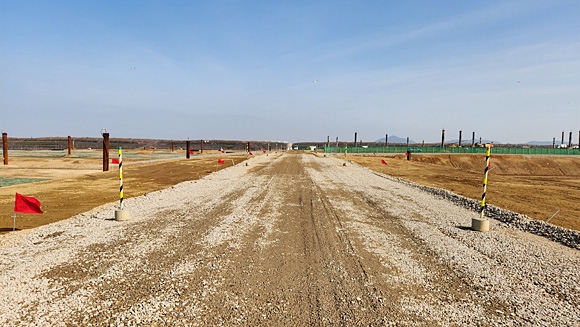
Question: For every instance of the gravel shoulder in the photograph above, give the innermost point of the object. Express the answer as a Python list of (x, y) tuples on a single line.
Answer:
[(290, 240)]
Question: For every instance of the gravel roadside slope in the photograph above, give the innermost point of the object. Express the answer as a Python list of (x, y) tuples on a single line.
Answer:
[(289, 240)]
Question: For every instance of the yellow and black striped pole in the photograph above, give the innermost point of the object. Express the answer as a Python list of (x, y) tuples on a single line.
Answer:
[(487, 164), (121, 178)]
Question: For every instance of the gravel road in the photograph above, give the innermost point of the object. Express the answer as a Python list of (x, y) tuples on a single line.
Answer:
[(290, 240)]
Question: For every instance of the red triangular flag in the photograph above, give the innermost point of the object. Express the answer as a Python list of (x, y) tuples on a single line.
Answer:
[(26, 204), (264, 151), (383, 161), (223, 151), (221, 162), (115, 161), (251, 153)]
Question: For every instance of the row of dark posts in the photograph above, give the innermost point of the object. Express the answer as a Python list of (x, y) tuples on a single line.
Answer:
[(460, 139)]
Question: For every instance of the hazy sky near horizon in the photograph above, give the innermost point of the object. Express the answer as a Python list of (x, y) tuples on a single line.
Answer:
[(291, 70)]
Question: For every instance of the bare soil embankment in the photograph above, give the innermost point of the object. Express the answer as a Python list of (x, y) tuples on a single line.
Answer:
[(77, 185), (536, 186)]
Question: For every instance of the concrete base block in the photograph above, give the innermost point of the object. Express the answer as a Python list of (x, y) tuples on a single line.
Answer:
[(344, 164), (247, 163), (480, 225), (122, 215)]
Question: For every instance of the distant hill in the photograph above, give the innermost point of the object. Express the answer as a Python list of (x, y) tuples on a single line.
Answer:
[(539, 143), (396, 139)]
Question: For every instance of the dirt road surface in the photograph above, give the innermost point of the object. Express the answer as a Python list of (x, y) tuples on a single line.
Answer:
[(290, 240)]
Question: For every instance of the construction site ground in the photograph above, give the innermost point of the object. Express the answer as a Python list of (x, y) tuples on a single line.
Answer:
[(537, 186)]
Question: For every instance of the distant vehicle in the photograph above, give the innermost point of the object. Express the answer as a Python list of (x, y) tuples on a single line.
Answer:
[(562, 146)]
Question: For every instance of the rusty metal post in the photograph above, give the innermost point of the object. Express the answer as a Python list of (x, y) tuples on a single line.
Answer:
[(171, 146), (460, 134), (355, 139), (188, 150), (443, 138), (200, 146), (407, 141), (105, 151), (570, 140), (473, 140), (69, 145), (386, 140), (554, 143), (562, 143), (5, 147)]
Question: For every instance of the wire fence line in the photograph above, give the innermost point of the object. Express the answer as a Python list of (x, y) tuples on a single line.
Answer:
[(444, 150)]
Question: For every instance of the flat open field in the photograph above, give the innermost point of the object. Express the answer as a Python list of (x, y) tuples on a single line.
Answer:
[(292, 239), (536, 186), (72, 185)]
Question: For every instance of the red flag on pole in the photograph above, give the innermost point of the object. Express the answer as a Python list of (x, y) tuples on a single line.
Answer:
[(115, 161), (26, 204), (251, 153), (383, 162), (221, 161)]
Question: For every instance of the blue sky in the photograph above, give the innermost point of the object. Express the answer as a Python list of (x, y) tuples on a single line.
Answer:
[(246, 70)]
